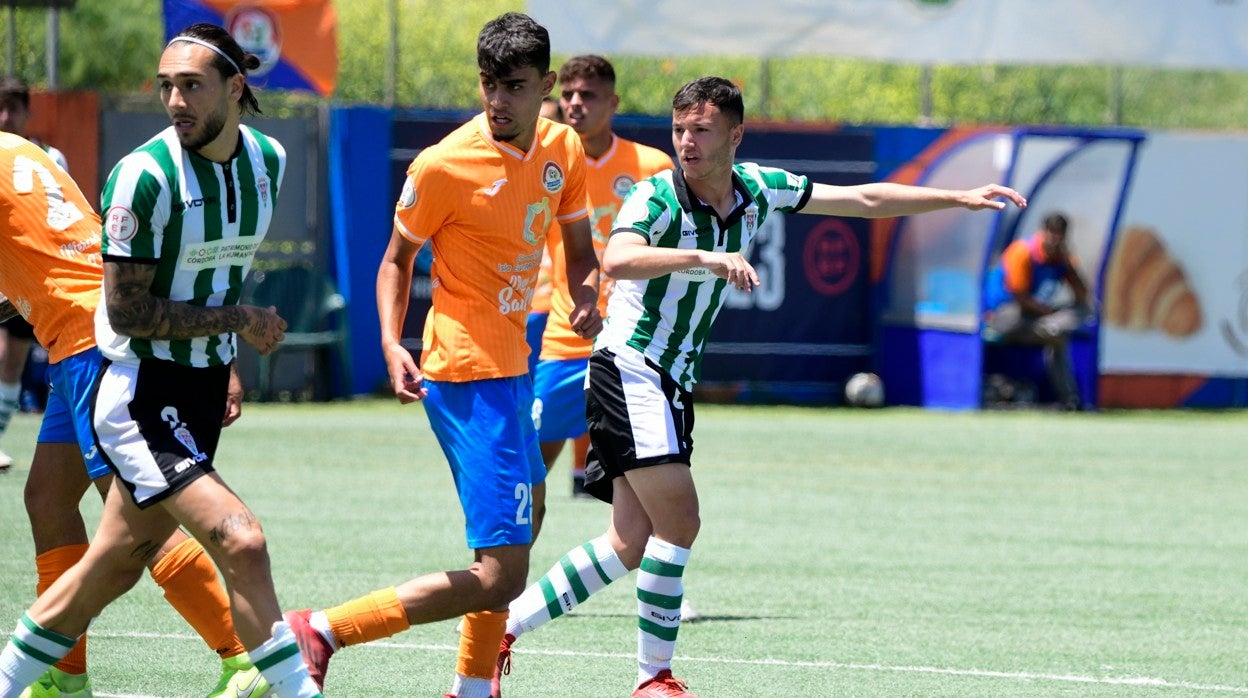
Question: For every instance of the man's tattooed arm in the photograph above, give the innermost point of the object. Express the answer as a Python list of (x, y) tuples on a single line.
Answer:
[(134, 311)]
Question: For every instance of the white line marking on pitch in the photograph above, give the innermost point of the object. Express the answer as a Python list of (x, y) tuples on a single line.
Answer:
[(1142, 681)]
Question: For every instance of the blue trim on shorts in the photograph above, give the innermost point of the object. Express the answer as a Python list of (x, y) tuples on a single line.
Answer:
[(67, 418), (486, 430), (559, 404)]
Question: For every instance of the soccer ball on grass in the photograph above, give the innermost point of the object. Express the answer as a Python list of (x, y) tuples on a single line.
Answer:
[(864, 390)]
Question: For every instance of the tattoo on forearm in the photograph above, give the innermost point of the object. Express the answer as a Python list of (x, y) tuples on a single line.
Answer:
[(135, 312), (230, 524)]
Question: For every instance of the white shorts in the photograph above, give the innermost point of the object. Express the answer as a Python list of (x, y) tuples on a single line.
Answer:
[(157, 424)]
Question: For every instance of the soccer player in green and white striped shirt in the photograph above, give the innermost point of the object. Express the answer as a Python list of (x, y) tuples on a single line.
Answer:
[(680, 240), (185, 214)]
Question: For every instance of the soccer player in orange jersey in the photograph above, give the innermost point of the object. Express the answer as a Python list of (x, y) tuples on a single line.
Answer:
[(588, 99), (484, 198), (16, 335), (48, 230)]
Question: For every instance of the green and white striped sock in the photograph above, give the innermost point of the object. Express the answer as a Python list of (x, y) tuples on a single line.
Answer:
[(659, 591), (581, 572), (28, 654), (278, 659)]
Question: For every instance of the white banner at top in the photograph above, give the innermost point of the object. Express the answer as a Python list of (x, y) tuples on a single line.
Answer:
[(1161, 33)]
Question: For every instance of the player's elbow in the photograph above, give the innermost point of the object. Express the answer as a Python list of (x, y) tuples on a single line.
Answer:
[(613, 266), (129, 320)]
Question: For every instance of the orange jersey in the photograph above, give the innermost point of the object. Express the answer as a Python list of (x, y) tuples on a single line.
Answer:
[(1023, 257), (486, 207), (50, 265), (608, 180)]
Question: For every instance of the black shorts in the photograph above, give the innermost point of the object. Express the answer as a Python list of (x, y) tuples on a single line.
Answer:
[(17, 327), (638, 416), (158, 424)]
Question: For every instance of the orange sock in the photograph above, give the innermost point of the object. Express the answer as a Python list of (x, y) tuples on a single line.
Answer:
[(372, 617), (51, 565), (478, 643), (190, 582)]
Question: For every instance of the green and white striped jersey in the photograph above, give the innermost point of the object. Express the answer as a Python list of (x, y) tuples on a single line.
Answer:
[(200, 222), (668, 318)]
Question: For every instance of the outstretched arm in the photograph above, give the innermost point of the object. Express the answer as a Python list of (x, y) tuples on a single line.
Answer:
[(888, 199)]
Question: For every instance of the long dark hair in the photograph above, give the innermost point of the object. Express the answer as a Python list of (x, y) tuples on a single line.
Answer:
[(242, 61)]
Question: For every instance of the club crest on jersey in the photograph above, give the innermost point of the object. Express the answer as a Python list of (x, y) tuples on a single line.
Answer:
[(407, 198), (621, 185), (262, 186), (120, 224), (751, 221), (552, 177)]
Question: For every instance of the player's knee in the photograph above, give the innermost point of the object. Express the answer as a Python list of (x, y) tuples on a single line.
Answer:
[(39, 500), (245, 550), (503, 585)]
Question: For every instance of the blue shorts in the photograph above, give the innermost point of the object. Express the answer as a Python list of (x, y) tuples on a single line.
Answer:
[(486, 431), (559, 399), (67, 418), (534, 328)]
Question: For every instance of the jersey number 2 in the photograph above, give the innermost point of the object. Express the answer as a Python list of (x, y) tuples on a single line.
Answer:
[(522, 503)]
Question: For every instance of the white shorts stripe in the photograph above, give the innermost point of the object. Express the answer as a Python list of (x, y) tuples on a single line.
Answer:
[(119, 436), (649, 414)]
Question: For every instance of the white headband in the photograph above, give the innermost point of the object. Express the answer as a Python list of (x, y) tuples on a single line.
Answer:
[(216, 50)]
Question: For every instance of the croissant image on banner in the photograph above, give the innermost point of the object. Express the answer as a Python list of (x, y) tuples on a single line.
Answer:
[(1145, 289)]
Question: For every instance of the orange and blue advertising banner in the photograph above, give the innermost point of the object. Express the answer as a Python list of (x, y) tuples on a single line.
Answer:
[(296, 40)]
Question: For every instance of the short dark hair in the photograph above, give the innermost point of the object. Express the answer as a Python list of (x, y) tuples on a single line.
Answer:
[(14, 88), (1055, 223), (711, 90), (242, 61), (587, 67), (510, 42)]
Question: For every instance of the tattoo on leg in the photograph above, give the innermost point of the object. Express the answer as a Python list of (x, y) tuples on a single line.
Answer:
[(230, 524), (145, 551)]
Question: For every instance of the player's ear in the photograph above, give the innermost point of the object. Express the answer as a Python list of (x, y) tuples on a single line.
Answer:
[(235, 85), (548, 82), (738, 132)]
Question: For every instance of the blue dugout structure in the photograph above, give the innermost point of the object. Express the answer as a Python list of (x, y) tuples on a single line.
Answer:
[(931, 347), (362, 206)]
